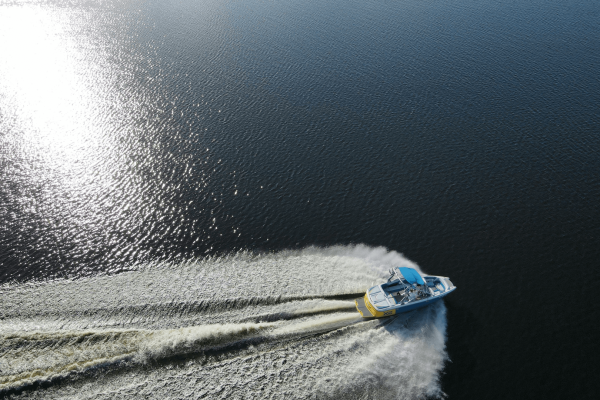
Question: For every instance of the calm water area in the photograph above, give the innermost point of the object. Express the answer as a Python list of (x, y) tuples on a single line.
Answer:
[(192, 192)]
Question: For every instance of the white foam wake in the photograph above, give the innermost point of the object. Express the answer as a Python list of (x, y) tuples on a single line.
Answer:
[(283, 327)]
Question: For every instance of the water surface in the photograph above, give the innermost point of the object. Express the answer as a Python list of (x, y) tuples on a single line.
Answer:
[(138, 137)]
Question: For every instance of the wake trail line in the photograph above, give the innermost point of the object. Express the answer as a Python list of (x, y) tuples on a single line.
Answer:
[(199, 306), (42, 357)]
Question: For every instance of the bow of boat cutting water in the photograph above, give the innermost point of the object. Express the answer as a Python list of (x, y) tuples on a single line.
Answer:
[(237, 326)]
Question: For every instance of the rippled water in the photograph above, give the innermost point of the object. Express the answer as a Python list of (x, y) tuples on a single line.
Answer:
[(167, 166)]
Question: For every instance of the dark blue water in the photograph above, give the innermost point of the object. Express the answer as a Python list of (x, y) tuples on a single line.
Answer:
[(464, 134)]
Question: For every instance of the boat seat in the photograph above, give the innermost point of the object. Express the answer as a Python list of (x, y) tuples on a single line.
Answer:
[(394, 288), (435, 289)]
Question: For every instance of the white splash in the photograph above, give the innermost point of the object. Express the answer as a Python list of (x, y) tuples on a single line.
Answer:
[(237, 326)]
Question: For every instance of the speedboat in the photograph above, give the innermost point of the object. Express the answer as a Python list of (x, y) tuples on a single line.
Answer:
[(405, 290)]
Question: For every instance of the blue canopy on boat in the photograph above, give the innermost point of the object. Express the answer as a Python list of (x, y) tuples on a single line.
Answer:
[(411, 275)]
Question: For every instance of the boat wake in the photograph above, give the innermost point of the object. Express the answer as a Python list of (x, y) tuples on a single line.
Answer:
[(275, 325)]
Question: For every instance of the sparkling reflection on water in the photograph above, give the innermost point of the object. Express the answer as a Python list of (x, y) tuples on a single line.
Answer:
[(461, 132), (90, 171)]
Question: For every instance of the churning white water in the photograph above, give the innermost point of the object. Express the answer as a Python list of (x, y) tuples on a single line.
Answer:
[(280, 325)]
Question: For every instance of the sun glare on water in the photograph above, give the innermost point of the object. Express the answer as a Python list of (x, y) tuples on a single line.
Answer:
[(42, 72), (63, 118)]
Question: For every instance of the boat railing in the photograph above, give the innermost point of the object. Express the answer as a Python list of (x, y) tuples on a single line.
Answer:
[(392, 273)]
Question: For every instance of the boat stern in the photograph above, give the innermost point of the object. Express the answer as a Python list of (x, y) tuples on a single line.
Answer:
[(366, 309)]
